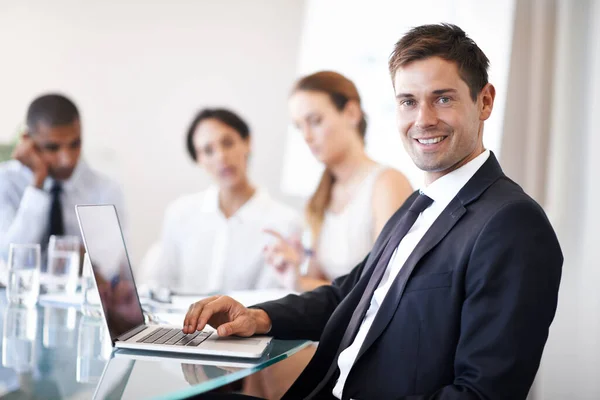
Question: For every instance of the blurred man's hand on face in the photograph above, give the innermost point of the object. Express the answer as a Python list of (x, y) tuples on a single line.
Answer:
[(59, 147), (27, 153)]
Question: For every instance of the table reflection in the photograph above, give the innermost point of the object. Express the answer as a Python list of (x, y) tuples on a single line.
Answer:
[(55, 351), (59, 327), (18, 338), (93, 349), (40, 353)]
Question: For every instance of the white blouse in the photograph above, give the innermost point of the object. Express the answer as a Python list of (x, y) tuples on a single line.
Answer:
[(204, 252), (348, 236)]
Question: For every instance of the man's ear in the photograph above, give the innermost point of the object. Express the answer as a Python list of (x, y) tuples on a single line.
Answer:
[(488, 94)]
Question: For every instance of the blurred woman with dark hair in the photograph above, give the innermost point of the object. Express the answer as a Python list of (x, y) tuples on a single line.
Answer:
[(213, 240)]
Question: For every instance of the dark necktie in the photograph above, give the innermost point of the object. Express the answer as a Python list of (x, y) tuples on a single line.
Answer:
[(56, 218), (406, 222)]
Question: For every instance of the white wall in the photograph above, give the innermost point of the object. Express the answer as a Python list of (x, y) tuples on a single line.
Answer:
[(571, 363), (138, 70)]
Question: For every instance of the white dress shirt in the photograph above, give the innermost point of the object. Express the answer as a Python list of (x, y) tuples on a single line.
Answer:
[(25, 210), (441, 191), (202, 251)]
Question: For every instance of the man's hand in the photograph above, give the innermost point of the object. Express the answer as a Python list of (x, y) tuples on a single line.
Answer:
[(27, 153), (228, 316)]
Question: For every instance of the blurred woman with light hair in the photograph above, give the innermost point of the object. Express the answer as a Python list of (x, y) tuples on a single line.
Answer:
[(355, 196)]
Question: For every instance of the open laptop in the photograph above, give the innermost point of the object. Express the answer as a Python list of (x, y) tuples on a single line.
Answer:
[(105, 245)]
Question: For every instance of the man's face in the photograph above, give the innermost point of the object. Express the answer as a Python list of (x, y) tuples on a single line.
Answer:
[(440, 124), (59, 146)]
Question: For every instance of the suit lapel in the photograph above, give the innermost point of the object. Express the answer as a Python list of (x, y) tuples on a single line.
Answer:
[(345, 314), (489, 173), (356, 296), (357, 292), (440, 228), (386, 235)]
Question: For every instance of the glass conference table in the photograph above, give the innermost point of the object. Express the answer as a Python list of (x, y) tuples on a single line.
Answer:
[(55, 352)]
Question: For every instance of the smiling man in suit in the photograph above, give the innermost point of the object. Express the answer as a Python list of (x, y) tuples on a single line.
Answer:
[(457, 295)]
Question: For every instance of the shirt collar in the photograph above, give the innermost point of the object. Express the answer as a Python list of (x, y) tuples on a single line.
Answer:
[(254, 208), (445, 188), (210, 203), (246, 212), (74, 180)]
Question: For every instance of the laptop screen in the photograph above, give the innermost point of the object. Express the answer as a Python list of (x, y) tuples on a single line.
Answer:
[(105, 246)]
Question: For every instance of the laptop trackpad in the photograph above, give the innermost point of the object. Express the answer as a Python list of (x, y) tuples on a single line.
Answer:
[(239, 341), (234, 343)]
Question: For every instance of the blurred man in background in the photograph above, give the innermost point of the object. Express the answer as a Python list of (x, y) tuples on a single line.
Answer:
[(47, 177)]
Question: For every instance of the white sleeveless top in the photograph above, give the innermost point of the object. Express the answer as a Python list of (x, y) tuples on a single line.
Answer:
[(347, 237)]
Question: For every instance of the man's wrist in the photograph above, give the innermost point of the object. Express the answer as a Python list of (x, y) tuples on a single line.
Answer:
[(38, 181), (263, 321)]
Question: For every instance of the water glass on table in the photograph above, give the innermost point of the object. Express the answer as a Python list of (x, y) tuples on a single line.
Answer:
[(23, 286), (91, 299), (63, 264)]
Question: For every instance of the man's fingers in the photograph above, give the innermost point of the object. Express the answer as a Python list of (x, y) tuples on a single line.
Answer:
[(188, 315), (191, 318), (197, 311), (202, 312), (221, 305), (239, 326), (194, 308)]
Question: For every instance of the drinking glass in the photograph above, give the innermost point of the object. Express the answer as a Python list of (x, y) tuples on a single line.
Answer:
[(23, 274), (63, 264)]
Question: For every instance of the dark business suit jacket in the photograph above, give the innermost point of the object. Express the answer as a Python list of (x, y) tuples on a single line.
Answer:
[(468, 318)]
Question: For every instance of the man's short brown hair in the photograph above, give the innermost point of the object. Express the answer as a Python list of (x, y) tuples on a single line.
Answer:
[(446, 41)]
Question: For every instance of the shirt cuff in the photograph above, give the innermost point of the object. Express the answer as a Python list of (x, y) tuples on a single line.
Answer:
[(260, 308)]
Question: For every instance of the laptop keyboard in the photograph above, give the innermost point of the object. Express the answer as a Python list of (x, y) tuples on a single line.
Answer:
[(174, 337)]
